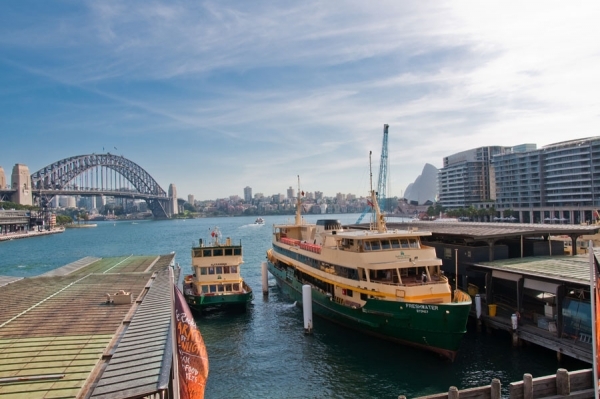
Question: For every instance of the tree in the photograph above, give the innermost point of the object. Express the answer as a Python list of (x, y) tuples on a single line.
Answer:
[(63, 219)]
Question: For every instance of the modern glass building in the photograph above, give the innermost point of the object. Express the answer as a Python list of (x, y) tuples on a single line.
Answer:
[(467, 179), (559, 183)]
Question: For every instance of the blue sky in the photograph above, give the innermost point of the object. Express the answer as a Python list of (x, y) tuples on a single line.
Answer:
[(214, 96)]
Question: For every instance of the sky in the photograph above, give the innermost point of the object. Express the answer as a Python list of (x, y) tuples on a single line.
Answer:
[(214, 96)]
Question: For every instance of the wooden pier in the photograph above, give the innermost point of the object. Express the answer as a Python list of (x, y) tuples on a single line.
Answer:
[(60, 337), (575, 385)]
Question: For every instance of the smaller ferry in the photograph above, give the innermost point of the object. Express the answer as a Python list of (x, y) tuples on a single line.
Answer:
[(216, 281), (259, 220)]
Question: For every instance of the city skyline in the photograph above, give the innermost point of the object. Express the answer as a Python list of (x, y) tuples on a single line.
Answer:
[(213, 97)]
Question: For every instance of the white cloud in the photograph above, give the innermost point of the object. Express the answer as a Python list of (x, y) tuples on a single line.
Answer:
[(282, 89)]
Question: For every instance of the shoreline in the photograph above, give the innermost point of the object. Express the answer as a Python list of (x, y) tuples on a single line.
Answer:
[(15, 236)]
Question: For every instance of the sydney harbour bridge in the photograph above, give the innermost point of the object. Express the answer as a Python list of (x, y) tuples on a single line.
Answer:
[(91, 175)]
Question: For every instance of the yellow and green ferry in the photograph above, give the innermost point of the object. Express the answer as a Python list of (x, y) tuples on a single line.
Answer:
[(216, 281), (385, 283)]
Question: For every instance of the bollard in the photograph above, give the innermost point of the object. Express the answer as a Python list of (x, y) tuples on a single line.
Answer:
[(496, 388), (527, 386), (514, 321), (307, 308), (563, 383), (265, 278), (453, 393)]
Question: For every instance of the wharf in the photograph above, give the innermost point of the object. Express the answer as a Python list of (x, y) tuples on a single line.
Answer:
[(60, 338), (29, 234)]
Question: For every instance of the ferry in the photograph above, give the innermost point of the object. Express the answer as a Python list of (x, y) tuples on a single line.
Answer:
[(216, 281), (386, 283)]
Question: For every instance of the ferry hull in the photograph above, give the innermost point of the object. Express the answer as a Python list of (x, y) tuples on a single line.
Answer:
[(201, 303), (438, 328)]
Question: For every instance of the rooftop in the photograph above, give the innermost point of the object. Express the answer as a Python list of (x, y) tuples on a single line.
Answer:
[(60, 338)]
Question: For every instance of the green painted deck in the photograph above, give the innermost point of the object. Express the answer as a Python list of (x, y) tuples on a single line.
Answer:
[(58, 332)]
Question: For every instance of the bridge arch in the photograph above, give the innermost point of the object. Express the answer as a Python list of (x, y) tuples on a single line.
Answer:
[(60, 175)]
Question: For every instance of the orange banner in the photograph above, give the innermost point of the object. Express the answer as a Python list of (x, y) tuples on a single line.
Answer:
[(192, 359), (595, 327)]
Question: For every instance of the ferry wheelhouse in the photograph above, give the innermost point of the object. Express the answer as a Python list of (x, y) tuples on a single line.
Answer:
[(216, 281)]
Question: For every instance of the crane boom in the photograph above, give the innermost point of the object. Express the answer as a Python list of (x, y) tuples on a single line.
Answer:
[(383, 168), (382, 182)]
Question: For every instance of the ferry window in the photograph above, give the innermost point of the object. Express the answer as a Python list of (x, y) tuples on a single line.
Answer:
[(221, 288), (219, 269), (385, 244), (349, 293), (228, 287), (236, 287), (375, 245), (203, 271), (226, 269), (205, 289), (395, 243), (211, 270), (447, 253), (228, 251), (218, 252), (367, 246), (404, 243), (213, 288), (237, 251), (207, 252), (233, 269), (413, 243)]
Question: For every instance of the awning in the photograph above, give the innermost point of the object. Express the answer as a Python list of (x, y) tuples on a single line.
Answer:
[(506, 276), (541, 286)]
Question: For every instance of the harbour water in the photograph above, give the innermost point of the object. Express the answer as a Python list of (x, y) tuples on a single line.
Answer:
[(264, 353)]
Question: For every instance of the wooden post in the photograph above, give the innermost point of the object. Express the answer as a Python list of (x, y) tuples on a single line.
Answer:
[(495, 389), (453, 393), (563, 382), (527, 386)]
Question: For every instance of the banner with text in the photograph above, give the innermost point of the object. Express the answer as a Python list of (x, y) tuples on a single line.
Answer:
[(192, 359)]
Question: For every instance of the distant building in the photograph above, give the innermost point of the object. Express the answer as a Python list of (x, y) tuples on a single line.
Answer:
[(318, 195), (191, 199), (67, 201), (291, 193), (248, 194), (556, 183), (2, 178), (466, 178)]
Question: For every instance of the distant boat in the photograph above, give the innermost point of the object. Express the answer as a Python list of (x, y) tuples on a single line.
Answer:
[(259, 220), (216, 282)]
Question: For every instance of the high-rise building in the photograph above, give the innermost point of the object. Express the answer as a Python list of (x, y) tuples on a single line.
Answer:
[(2, 178), (291, 193), (466, 177), (557, 183), (248, 194), (318, 195), (191, 199)]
